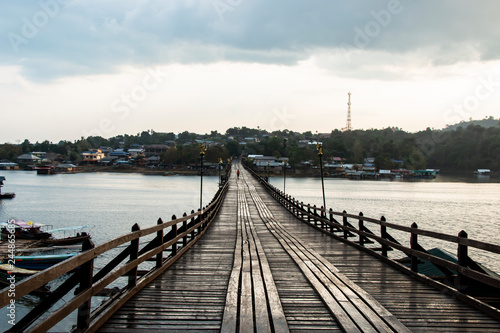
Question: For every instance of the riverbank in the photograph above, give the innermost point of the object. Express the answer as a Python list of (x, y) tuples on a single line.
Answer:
[(133, 169)]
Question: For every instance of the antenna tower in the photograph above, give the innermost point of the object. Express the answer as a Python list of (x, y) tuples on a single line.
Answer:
[(348, 125)]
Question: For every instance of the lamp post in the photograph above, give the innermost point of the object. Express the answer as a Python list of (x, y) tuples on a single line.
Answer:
[(284, 175), (320, 154), (284, 165), (268, 171), (203, 148), (220, 166)]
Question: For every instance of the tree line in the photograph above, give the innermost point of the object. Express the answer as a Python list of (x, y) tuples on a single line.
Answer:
[(464, 148)]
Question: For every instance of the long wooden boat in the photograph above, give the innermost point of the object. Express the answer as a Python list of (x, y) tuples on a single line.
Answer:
[(77, 236), (41, 261), (7, 271), (24, 230), (19, 273)]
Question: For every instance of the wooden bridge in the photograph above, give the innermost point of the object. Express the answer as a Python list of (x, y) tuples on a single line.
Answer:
[(267, 263)]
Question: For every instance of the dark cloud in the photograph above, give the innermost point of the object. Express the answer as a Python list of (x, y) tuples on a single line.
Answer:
[(88, 37)]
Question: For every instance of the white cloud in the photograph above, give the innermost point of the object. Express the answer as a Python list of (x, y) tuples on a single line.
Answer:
[(60, 79)]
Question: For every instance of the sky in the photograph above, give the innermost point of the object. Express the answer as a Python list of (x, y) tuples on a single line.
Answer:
[(75, 68)]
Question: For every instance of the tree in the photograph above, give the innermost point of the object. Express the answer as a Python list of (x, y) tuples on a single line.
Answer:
[(233, 148), (214, 153)]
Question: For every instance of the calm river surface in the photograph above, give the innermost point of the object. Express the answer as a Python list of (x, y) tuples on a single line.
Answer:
[(444, 204), (112, 202)]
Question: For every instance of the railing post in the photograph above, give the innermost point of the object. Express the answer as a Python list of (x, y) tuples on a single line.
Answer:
[(344, 223), (203, 218), (463, 258), (330, 213), (414, 246), (308, 213), (174, 232), (199, 219), (383, 235), (134, 253), (159, 235), (86, 279), (323, 215), (360, 228), (192, 224), (315, 215), (184, 227), (302, 210)]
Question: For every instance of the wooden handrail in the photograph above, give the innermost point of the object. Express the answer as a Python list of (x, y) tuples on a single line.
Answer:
[(193, 225), (308, 214)]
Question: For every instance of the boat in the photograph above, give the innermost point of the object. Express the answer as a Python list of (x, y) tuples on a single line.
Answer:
[(41, 261), (482, 172), (77, 235), (10, 273), (5, 195), (7, 270), (24, 230)]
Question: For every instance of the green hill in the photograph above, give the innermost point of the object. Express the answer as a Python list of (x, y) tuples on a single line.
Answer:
[(486, 123)]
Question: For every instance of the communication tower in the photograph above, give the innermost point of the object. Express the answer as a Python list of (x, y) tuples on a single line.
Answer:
[(348, 125)]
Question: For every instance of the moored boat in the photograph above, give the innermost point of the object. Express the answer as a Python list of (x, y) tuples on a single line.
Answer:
[(10, 274), (77, 235), (24, 230), (7, 270), (41, 261), (482, 172)]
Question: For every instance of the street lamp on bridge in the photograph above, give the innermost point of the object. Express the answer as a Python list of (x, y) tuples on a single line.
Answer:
[(203, 148), (284, 165), (320, 155), (220, 166)]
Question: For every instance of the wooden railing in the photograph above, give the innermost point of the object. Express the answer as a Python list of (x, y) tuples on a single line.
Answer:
[(181, 234), (461, 274)]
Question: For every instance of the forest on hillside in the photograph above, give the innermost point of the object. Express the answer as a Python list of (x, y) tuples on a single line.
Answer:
[(462, 149)]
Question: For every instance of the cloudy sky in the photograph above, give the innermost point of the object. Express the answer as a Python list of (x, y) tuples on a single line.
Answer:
[(73, 68)]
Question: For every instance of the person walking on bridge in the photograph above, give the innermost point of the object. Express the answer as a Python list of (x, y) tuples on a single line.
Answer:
[(238, 173)]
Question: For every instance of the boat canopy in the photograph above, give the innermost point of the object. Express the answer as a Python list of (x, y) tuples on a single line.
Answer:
[(28, 225), (69, 228)]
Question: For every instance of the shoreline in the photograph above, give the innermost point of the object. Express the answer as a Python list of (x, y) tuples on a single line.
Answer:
[(213, 172)]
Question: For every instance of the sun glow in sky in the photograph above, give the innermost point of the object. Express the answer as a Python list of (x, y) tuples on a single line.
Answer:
[(71, 68)]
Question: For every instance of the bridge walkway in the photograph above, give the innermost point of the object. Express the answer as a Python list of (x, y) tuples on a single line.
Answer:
[(285, 276)]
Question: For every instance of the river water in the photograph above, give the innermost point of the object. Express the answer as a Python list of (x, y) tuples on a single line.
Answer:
[(110, 203), (445, 204)]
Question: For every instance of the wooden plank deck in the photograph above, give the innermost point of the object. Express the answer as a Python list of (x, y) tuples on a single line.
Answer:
[(255, 251)]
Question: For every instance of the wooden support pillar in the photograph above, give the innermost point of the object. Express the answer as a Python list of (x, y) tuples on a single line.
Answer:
[(315, 213), (159, 235), (184, 227), (360, 228), (86, 279), (383, 235), (414, 246), (344, 222), (193, 234), (134, 253), (463, 258), (323, 212), (174, 235), (332, 220)]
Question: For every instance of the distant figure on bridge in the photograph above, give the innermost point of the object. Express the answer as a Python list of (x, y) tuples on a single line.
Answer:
[(238, 173)]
